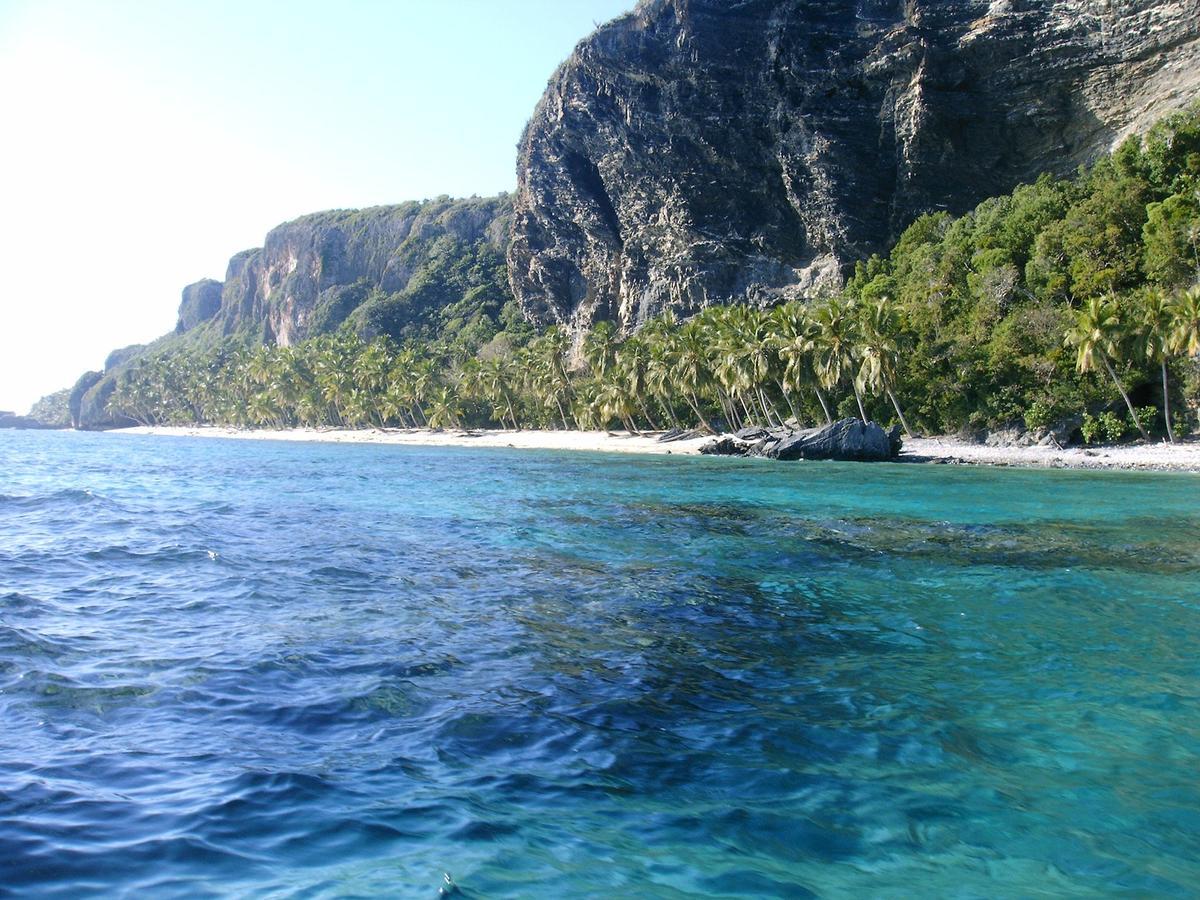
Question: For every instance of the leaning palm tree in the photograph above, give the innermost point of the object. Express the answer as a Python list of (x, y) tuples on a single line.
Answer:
[(444, 409), (1185, 322), (555, 345), (747, 351), (600, 348), (878, 325), (833, 345), (658, 373), (496, 376), (794, 334), (1097, 335), (613, 401), (633, 361), (691, 369), (1157, 342)]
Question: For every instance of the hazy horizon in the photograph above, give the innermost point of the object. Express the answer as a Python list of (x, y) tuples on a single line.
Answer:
[(148, 144)]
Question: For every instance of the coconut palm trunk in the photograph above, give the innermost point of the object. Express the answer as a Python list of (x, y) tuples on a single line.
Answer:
[(641, 401), (749, 416), (790, 402), (899, 412), (858, 396), (1166, 402), (824, 405), (666, 405), (695, 405), (1124, 396), (512, 415), (768, 408), (562, 414), (729, 410)]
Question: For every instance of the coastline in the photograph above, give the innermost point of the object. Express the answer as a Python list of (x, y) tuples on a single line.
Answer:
[(940, 451)]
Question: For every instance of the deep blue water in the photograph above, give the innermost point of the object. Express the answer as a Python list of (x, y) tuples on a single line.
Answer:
[(237, 668)]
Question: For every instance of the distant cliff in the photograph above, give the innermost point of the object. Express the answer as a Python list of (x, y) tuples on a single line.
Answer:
[(702, 151), (695, 152), (381, 268), (414, 270), (376, 268)]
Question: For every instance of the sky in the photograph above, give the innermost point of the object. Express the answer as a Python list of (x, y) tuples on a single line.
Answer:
[(144, 142)]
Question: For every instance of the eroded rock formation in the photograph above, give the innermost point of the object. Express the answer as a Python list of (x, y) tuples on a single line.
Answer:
[(314, 272), (703, 151)]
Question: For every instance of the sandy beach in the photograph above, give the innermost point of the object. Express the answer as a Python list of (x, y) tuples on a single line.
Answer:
[(1183, 457)]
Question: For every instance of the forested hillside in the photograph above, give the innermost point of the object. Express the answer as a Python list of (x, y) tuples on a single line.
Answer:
[(1044, 307)]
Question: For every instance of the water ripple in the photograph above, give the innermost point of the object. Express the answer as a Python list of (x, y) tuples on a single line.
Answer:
[(258, 670)]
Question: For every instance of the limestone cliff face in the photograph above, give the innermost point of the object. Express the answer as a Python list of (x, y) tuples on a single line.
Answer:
[(199, 303), (702, 151), (386, 269), (314, 272)]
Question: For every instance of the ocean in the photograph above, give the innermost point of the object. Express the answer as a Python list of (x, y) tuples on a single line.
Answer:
[(261, 669)]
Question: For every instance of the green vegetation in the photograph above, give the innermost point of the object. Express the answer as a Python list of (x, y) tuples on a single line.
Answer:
[(1066, 299), (53, 409)]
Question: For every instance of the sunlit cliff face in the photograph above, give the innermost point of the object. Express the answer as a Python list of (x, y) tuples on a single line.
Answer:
[(693, 153)]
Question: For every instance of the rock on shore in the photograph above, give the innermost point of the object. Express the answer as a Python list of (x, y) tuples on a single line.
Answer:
[(846, 440)]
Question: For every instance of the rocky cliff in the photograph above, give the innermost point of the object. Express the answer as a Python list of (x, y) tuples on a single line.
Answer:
[(702, 151), (314, 273), (413, 270)]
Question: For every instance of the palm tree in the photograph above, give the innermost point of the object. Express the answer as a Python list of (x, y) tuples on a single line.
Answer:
[(691, 369), (632, 365), (1185, 322), (613, 401), (370, 370), (548, 370), (833, 345), (795, 336), (660, 335), (878, 324), (444, 410), (496, 377), (747, 359), (1158, 342), (1185, 317), (1098, 334), (600, 348)]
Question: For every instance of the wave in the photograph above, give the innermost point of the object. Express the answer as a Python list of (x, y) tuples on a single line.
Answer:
[(66, 496), (167, 554)]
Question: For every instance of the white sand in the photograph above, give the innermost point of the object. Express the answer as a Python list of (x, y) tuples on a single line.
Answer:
[(1184, 457), (1180, 457), (609, 442)]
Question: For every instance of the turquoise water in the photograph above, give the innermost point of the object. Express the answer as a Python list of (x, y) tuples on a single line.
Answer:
[(276, 670)]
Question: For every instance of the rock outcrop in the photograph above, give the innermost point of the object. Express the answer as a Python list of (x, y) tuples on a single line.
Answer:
[(704, 151), (200, 302), (12, 420), (314, 273), (847, 440), (384, 270), (87, 381)]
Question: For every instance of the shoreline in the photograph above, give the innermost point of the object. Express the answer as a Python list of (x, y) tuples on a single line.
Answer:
[(1183, 457)]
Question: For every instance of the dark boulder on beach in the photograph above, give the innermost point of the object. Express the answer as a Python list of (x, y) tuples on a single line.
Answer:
[(12, 420), (845, 440), (726, 446)]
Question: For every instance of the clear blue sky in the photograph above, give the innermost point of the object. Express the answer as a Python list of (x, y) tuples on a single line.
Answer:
[(146, 142)]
